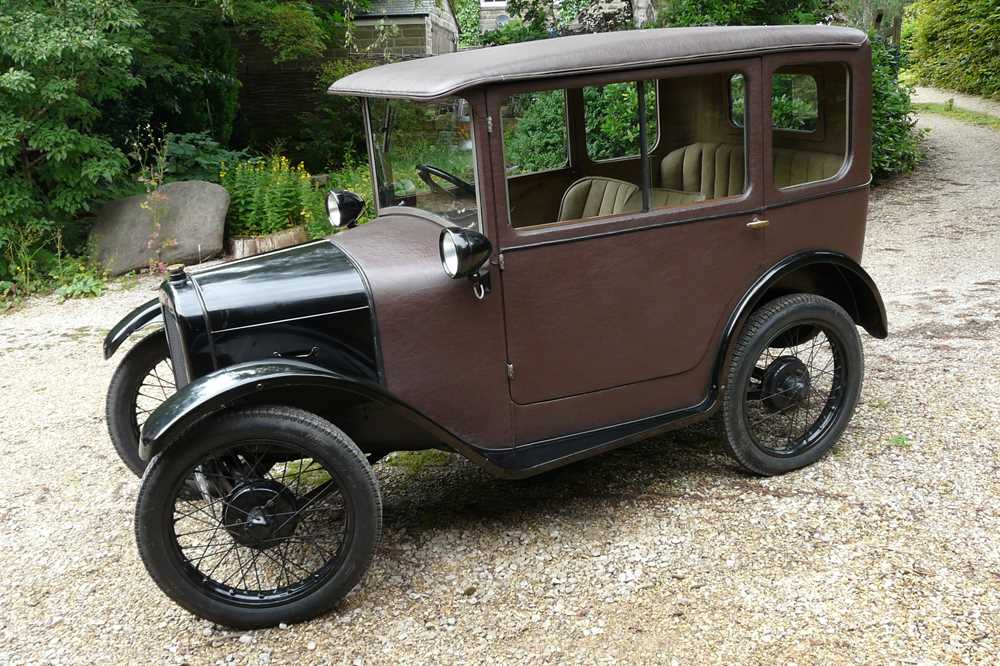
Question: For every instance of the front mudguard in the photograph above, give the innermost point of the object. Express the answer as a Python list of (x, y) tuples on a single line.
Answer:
[(283, 380), (148, 313)]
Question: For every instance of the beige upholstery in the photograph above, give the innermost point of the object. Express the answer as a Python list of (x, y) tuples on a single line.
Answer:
[(661, 197), (792, 167), (595, 196), (717, 170), (714, 169)]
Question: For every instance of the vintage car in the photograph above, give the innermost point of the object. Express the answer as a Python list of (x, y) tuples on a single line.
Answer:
[(579, 242)]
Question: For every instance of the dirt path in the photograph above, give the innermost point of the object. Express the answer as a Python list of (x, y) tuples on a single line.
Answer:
[(970, 102), (887, 550)]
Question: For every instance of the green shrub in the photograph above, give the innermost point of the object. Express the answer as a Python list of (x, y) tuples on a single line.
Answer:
[(512, 32), (895, 139), (954, 44), (740, 12), (197, 156), (467, 15), (334, 128), (58, 62), (269, 195)]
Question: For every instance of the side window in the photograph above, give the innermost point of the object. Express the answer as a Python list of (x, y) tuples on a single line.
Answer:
[(702, 154), (809, 116), (612, 123), (534, 132), (794, 102)]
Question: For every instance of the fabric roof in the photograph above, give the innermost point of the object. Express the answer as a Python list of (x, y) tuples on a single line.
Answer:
[(449, 73)]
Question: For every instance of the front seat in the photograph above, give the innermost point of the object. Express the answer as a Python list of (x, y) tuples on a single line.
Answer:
[(595, 196)]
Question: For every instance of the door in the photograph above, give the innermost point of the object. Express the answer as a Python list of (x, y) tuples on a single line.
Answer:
[(620, 298)]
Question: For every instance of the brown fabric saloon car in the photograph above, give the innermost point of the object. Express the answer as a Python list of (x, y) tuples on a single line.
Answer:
[(544, 282)]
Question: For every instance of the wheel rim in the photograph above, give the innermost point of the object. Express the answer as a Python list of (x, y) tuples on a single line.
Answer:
[(157, 385), (269, 524), (796, 389)]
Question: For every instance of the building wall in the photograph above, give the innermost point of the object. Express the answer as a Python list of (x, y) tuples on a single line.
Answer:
[(442, 31), (410, 38), (489, 12)]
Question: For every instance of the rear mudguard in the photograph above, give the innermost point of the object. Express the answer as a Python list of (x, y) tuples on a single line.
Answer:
[(144, 315)]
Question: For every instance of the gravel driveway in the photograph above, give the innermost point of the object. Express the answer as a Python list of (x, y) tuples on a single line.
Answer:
[(886, 550)]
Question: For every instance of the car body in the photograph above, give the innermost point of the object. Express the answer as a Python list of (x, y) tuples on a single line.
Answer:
[(589, 302), (401, 343)]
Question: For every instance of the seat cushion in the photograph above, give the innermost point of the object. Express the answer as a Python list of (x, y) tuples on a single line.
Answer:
[(792, 167), (595, 196), (662, 197), (714, 169)]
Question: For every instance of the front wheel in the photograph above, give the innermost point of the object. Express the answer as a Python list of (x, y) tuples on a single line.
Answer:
[(793, 383), (284, 525), (142, 381)]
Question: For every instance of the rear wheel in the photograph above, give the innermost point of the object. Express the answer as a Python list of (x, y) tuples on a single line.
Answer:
[(142, 381), (793, 384), (284, 525)]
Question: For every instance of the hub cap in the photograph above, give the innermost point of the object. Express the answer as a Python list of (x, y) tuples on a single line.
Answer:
[(260, 514)]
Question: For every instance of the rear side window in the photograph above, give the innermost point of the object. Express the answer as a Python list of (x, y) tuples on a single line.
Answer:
[(794, 102), (611, 120)]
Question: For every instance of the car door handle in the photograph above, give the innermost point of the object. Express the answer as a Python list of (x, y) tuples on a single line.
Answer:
[(757, 223)]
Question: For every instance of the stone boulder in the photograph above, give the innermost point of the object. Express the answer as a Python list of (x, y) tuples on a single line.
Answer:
[(192, 220)]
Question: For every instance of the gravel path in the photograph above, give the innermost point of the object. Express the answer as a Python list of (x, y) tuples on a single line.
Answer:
[(968, 102), (887, 550)]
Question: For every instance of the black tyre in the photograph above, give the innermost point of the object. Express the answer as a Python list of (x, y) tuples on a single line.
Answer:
[(285, 524), (793, 383), (142, 381)]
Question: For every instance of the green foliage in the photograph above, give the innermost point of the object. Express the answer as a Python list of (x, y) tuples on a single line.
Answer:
[(954, 44), (197, 156), (895, 139), (334, 129), (59, 62), (611, 121), (740, 12), (75, 278), (268, 195), (536, 15), (467, 15), (534, 132), (512, 32), (186, 60)]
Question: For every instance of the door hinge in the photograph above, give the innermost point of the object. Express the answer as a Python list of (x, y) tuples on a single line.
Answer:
[(510, 371), (489, 124), (500, 260)]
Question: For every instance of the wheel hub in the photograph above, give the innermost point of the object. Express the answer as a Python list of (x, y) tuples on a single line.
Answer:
[(260, 514), (786, 383)]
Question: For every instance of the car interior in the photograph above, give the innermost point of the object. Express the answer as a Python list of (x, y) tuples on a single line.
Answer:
[(695, 136)]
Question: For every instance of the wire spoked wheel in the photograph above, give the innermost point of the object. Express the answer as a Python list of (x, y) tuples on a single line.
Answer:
[(142, 382), (283, 524), (793, 384), (267, 527), (795, 389)]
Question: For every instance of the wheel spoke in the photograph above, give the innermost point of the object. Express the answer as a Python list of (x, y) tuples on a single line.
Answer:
[(268, 531)]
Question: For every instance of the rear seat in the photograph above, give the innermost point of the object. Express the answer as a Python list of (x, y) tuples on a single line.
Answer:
[(717, 170)]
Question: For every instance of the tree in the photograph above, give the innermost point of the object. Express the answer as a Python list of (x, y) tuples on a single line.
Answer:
[(58, 62)]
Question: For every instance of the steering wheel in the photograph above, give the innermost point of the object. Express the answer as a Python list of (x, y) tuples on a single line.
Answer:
[(427, 172)]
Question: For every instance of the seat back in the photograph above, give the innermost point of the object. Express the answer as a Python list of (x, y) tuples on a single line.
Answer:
[(595, 196), (714, 169), (792, 167)]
